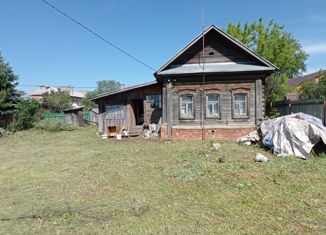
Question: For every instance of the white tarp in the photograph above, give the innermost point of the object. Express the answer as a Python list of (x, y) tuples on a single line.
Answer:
[(293, 135)]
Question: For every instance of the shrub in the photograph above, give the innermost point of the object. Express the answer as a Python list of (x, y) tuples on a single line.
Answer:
[(53, 126), (27, 114), (273, 113)]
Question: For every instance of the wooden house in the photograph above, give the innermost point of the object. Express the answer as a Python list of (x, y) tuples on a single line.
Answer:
[(215, 92)]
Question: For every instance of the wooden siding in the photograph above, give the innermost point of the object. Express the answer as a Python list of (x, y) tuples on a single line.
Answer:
[(217, 50), (126, 99), (225, 90)]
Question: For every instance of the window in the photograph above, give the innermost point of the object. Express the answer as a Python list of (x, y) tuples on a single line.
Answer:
[(156, 101), (240, 105), (212, 105), (114, 111), (186, 106)]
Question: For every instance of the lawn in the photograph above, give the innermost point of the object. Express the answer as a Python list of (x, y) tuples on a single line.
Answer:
[(75, 182)]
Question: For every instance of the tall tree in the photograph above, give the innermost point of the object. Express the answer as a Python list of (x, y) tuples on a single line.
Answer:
[(108, 85), (275, 44), (57, 102), (103, 86), (9, 96)]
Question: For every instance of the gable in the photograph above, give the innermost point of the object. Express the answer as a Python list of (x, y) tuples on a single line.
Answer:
[(217, 50), (221, 53)]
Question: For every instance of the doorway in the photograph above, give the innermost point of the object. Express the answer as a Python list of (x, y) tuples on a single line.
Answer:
[(138, 108)]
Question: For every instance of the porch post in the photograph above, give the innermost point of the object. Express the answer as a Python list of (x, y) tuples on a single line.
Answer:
[(258, 101), (169, 108)]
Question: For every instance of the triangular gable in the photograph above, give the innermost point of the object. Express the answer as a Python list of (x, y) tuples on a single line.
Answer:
[(221, 49)]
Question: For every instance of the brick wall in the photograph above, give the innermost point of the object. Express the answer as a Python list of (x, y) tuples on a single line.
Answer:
[(164, 131), (214, 133)]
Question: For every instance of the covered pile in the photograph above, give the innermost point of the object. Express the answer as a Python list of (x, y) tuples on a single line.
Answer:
[(293, 135)]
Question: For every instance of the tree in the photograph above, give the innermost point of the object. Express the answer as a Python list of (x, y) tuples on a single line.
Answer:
[(27, 114), (103, 86), (311, 90), (108, 85), (9, 96), (275, 44), (86, 102), (57, 102)]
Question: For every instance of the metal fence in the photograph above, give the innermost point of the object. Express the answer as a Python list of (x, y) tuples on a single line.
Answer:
[(316, 108), (61, 117), (54, 116)]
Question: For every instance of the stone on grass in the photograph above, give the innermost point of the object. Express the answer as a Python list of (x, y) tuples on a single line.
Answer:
[(216, 146), (261, 158), (221, 159)]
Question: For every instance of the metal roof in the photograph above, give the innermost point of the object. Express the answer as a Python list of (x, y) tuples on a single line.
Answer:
[(225, 35), (124, 90), (214, 68), (308, 77)]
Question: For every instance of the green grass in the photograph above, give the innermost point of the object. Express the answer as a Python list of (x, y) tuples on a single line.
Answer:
[(75, 182)]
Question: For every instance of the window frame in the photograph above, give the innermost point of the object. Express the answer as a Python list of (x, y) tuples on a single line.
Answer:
[(119, 111), (188, 117), (218, 114), (245, 92), (153, 104)]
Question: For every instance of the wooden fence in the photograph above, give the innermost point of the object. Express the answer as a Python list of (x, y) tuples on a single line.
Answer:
[(316, 108)]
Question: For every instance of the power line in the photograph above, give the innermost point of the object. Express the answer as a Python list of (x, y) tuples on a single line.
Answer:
[(29, 85), (97, 35), (202, 7)]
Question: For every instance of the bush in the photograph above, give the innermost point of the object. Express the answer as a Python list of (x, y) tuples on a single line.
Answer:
[(273, 113), (53, 126), (28, 112)]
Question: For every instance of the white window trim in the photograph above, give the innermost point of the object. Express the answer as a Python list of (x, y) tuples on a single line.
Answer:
[(186, 116), (217, 114), (240, 115)]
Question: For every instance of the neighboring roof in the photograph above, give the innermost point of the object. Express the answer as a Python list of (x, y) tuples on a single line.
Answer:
[(214, 68), (226, 36), (298, 80), (94, 110), (74, 108), (40, 90), (124, 90), (79, 94), (292, 96)]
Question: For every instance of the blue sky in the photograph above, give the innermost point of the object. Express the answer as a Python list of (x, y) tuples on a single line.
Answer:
[(43, 47)]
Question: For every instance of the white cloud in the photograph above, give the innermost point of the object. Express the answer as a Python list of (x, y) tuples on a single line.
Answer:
[(315, 48)]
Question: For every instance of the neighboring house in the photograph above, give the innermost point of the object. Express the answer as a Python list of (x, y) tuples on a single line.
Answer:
[(292, 96), (38, 93), (217, 92), (297, 82), (40, 90)]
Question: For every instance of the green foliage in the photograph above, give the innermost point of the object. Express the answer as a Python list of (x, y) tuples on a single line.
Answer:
[(275, 44), (273, 114), (107, 86), (103, 86), (311, 90), (53, 126), (9, 96), (27, 114), (86, 102), (57, 102)]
